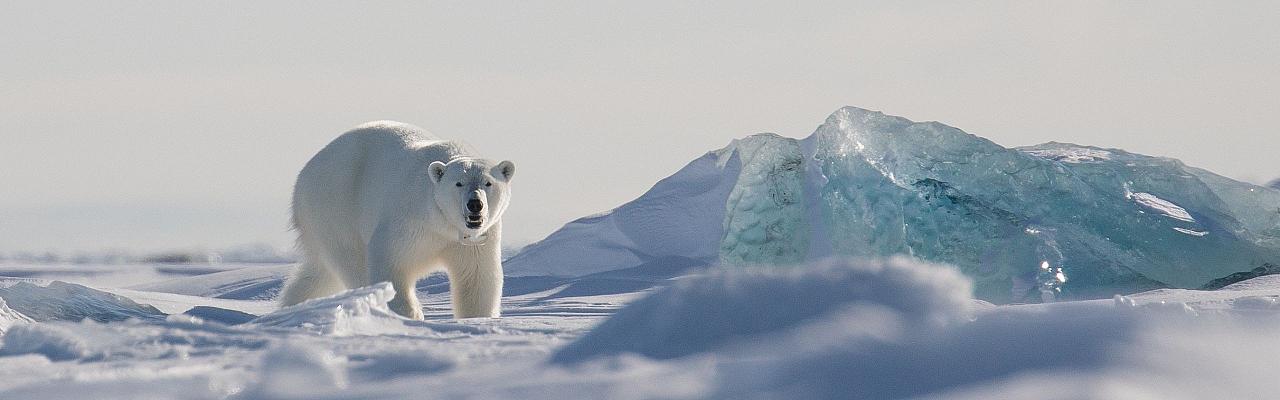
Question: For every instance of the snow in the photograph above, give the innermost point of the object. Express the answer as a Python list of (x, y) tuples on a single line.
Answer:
[(361, 311), (1190, 232), (177, 303), (190, 259), (182, 356), (711, 311), (61, 301), (1134, 347), (1073, 155), (1255, 283), (894, 328), (9, 318), (56, 343), (1159, 205), (674, 218), (298, 371), (257, 283), (110, 274)]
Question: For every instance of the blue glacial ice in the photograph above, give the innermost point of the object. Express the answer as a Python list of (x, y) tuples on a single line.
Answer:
[(1026, 224), (765, 221)]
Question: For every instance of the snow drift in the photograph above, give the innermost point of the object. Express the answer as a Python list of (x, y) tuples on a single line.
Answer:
[(905, 329), (9, 317), (674, 218), (61, 301), (1093, 350), (711, 311), (837, 329), (351, 312), (1024, 223), (56, 343)]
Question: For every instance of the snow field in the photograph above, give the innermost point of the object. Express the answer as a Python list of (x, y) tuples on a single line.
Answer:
[(884, 329)]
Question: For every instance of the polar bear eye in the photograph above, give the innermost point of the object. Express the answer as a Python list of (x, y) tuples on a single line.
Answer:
[(459, 184), (487, 184)]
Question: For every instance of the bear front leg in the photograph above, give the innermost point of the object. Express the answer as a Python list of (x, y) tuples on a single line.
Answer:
[(406, 301), (388, 264), (475, 283)]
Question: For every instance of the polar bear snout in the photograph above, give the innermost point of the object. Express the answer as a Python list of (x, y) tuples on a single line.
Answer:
[(475, 211)]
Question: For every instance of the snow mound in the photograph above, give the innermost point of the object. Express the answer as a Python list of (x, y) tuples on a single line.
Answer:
[(680, 216), (58, 343), (866, 184), (61, 301), (10, 318), (296, 371), (1088, 350), (1257, 303), (361, 311), (1167, 344), (1275, 184), (719, 309), (1256, 283)]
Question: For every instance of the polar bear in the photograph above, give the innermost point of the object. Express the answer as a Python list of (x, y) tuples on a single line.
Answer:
[(388, 201)]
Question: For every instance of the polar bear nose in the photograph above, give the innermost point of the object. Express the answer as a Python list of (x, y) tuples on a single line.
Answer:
[(475, 205)]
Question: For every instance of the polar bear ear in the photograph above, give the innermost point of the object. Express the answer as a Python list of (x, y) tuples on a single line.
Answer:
[(436, 170), (505, 169)]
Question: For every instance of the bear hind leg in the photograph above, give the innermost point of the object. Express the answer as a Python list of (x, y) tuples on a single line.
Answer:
[(312, 280)]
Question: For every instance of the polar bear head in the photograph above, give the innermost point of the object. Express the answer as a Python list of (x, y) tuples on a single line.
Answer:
[(472, 194)]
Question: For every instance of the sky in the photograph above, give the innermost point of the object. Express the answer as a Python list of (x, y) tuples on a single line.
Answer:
[(155, 125)]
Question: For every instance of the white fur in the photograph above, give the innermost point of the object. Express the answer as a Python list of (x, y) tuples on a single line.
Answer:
[(382, 203)]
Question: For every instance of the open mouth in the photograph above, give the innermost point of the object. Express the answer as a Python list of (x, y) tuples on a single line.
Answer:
[(474, 221)]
